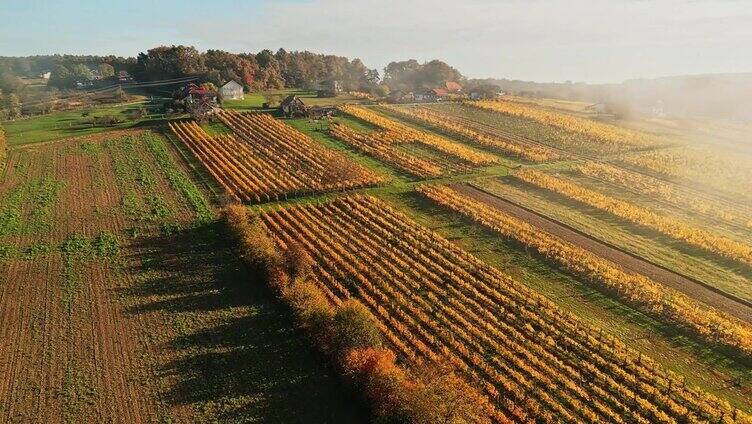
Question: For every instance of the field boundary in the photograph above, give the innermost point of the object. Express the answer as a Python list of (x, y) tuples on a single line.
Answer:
[(193, 168)]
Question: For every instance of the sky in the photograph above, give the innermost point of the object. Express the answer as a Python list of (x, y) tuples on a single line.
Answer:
[(591, 41)]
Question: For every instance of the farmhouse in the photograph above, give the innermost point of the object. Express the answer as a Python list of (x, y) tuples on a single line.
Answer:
[(486, 92), (193, 94), (232, 90), (426, 95), (399, 96), (452, 87), (432, 95)]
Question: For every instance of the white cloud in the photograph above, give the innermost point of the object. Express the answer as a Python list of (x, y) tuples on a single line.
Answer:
[(606, 40)]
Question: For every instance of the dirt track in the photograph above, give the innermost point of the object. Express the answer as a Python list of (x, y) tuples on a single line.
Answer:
[(719, 300)]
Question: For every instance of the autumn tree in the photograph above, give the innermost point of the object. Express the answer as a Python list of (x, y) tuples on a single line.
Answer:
[(106, 70), (13, 106), (354, 327), (298, 263), (170, 62), (443, 397), (60, 76), (81, 72), (411, 75)]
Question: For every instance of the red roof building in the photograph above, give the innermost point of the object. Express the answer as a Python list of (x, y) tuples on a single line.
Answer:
[(193, 93), (453, 87)]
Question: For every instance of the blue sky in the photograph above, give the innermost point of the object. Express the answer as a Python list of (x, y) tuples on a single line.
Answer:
[(555, 40)]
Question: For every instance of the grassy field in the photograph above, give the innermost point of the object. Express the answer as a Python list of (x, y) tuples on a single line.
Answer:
[(70, 123), (255, 100)]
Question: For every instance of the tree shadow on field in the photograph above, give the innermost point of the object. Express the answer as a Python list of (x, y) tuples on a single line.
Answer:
[(234, 355)]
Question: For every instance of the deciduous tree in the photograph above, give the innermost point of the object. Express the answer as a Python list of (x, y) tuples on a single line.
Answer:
[(106, 70)]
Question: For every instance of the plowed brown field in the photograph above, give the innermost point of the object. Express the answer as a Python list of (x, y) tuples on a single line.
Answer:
[(118, 302)]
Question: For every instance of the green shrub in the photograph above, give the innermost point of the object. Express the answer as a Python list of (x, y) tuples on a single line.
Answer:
[(311, 308), (256, 247), (298, 263), (354, 327), (3, 150)]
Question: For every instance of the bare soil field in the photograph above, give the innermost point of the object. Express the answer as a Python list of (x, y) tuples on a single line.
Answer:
[(119, 302)]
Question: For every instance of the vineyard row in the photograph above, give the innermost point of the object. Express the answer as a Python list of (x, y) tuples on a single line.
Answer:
[(666, 225), (435, 301)]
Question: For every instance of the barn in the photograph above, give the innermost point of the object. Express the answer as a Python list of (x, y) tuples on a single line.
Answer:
[(232, 90), (293, 107)]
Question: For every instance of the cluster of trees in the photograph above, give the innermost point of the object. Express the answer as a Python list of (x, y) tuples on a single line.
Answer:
[(63, 76), (22, 94), (260, 71), (348, 334), (10, 106), (410, 75)]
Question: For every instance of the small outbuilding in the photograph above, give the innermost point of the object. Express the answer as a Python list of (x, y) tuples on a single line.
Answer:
[(293, 107), (232, 90)]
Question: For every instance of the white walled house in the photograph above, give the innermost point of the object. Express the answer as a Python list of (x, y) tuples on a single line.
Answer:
[(231, 91)]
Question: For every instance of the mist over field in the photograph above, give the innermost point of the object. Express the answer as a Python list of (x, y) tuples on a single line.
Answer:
[(376, 211)]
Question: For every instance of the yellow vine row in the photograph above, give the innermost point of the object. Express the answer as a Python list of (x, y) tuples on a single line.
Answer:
[(376, 146), (703, 165), (529, 152), (267, 160), (666, 225), (533, 361), (661, 190), (650, 296), (398, 132), (598, 131)]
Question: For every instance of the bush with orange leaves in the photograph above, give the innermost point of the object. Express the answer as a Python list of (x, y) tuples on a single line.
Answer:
[(432, 393), (375, 372)]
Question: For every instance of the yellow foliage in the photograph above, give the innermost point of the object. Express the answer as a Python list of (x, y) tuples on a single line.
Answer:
[(662, 190), (709, 167), (268, 160), (666, 225), (598, 131), (397, 132), (530, 152), (652, 297), (528, 359)]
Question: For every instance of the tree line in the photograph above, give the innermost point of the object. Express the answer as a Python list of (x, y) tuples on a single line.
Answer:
[(264, 70)]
